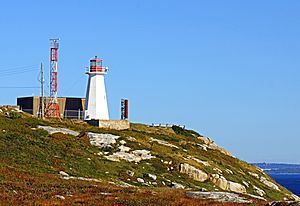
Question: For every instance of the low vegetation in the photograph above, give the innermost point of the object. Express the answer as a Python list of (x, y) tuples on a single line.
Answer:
[(31, 160)]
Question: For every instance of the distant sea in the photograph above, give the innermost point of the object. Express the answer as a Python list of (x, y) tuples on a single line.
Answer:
[(288, 175), (289, 181)]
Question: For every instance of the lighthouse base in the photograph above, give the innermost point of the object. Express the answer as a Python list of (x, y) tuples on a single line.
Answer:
[(110, 124)]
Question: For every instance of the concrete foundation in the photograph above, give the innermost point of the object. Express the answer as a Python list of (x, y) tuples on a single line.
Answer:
[(110, 124)]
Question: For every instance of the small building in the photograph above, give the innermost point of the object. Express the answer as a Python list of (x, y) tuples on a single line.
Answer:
[(70, 107)]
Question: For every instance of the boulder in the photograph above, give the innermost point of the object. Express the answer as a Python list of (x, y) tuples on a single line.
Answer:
[(229, 171), (123, 148), (245, 183), (175, 185), (259, 191), (219, 181), (193, 172), (254, 174), (224, 184), (218, 170), (202, 147), (236, 187), (132, 139), (130, 173), (144, 154), (60, 197), (206, 140), (122, 142), (140, 180), (154, 177), (62, 173)]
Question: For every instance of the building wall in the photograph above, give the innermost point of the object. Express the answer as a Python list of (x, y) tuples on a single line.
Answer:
[(32, 104), (26, 104), (36, 105)]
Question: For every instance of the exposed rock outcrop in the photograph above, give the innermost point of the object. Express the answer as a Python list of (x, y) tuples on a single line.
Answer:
[(162, 142), (134, 156), (202, 147), (295, 197), (219, 196), (107, 140), (132, 139), (66, 176), (209, 144), (213, 146), (193, 172), (236, 187), (53, 130), (205, 163), (102, 140), (206, 140), (217, 179), (224, 184), (269, 183), (265, 181)]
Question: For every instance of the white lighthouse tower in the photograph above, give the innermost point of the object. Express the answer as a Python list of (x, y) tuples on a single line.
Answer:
[(96, 103)]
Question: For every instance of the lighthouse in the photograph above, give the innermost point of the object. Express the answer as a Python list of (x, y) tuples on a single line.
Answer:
[(96, 103)]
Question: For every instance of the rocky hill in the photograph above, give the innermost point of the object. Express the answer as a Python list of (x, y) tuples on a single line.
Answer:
[(53, 162)]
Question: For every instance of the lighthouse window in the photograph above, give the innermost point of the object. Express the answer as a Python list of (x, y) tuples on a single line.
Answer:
[(98, 63)]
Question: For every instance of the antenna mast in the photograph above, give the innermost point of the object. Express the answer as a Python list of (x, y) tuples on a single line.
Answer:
[(42, 100), (53, 107)]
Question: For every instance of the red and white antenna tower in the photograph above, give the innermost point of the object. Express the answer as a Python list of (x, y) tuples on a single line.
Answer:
[(52, 109)]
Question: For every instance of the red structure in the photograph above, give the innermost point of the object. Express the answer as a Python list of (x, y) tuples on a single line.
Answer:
[(124, 109), (96, 65), (52, 109)]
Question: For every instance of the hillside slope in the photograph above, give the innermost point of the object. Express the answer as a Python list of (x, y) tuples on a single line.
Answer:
[(40, 163)]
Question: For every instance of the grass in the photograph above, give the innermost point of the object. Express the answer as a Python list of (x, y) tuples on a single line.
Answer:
[(30, 160)]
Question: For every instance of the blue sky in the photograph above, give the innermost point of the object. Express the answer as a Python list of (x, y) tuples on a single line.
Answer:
[(228, 69)]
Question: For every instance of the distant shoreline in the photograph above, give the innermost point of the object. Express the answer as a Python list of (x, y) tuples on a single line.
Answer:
[(279, 168)]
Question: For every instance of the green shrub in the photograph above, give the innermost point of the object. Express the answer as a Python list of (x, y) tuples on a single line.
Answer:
[(185, 132), (14, 115)]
